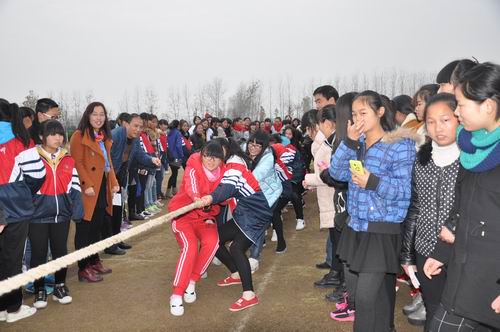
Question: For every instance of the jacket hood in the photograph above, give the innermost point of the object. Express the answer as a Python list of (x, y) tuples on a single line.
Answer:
[(6, 133), (401, 134)]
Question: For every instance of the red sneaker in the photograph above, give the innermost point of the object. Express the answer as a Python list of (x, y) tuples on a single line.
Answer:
[(228, 282), (345, 315), (243, 304)]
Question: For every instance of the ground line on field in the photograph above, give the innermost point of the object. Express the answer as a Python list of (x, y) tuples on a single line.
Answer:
[(260, 290)]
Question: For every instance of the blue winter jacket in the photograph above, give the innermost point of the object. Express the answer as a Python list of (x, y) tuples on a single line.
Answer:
[(119, 135), (175, 143), (383, 204), (269, 182)]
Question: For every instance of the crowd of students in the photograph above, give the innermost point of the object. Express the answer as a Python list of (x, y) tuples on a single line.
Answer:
[(408, 185)]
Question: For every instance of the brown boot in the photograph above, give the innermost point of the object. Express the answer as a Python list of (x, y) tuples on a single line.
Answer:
[(89, 275), (99, 268)]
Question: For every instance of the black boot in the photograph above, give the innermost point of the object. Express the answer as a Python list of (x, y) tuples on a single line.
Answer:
[(331, 279)]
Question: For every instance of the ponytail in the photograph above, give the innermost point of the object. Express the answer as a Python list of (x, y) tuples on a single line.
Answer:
[(11, 113)]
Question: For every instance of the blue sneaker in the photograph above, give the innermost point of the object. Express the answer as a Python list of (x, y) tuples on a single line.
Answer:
[(50, 279), (30, 288), (49, 289)]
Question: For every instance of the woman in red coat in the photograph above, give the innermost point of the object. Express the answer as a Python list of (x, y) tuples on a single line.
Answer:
[(196, 228)]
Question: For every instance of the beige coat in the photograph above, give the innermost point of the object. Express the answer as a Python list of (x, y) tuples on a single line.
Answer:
[(322, 152)]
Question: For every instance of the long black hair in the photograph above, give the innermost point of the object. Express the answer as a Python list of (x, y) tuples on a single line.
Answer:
[(85, 126), (296, 137), (343, 113), (262, 138), (213, 149), (482, 82), (309, 120), (235, 150), (375, 102), (10, 113)]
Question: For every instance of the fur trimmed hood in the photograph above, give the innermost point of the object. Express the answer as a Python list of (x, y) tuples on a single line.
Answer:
[(401, 134)]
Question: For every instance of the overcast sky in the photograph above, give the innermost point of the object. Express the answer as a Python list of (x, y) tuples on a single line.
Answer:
[(109, 46)]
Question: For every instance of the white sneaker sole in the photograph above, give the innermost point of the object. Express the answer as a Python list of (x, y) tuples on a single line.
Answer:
[(189, 298), (64, 300), (24, 312), (40, 305)]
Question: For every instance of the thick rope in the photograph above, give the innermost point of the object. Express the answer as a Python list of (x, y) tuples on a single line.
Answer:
[(40, 271)]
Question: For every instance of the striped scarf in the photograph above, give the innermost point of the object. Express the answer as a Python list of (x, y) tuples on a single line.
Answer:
[(480, 150)]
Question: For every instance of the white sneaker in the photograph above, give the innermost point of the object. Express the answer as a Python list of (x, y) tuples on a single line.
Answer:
[(204, 275), (216, 261), (24, 311), (176, 307), (254, 264), (301, 224), (189, 297), (3, 316), (274, 238)]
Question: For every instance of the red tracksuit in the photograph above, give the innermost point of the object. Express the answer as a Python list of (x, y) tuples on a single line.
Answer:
[(190, 229)]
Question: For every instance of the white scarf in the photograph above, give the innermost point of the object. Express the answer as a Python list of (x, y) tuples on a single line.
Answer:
[(445, 155)]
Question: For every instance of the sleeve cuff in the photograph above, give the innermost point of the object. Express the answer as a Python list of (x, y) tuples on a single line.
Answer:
[(351, 144), (372, 183)]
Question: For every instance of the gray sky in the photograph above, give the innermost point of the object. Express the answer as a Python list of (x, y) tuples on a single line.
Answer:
[(116, 45)]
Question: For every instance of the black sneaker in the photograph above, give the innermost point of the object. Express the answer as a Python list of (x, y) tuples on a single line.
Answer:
[(40, 299), (337, 295), (281, 248), (61, 294)]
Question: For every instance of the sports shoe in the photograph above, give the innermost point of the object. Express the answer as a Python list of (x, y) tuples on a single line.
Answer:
[(159, 204), (151, 209), (189, 297), (23, 312), (417, 317), (204, 275), (301, 224), (228, 282), (145, 215), (403, 278), (274, 238), (243, 304), (216, 261), (344, 315), (337, 295), (254, 264), (61, 294), (281, 248), (40, 299), (414, 305), (176, 307), (3, 316)]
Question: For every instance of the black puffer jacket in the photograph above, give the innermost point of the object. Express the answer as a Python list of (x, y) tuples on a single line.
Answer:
[(432, 198), (473, 262)]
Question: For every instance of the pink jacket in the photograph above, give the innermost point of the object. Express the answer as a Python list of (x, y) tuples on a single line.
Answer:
[(322, 152)]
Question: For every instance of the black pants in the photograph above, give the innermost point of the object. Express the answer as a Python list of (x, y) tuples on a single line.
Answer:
[(235, 259), (140, 199), (277, 220), (432, 289), (12, 241), (89, 232), (337, 265), (445, 321), (172, 181), (116, 219), (40, 235), (132, 200), (374, 298)]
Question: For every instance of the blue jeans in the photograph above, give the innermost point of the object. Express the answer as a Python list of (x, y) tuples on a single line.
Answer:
[(148, 191)]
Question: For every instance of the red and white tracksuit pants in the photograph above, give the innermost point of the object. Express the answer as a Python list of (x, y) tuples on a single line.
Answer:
[(193, 262)]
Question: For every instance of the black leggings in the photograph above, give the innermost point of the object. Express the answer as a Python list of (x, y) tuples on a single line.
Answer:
[(432, 289), (40, 235), (89, 232), (337, 265), (235, 259), (172, 181), (374, 296), (278, 221)]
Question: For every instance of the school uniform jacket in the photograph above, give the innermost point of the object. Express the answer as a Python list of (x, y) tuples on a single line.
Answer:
[(250, 209), (195, 185), (59, 199), (22, 173)]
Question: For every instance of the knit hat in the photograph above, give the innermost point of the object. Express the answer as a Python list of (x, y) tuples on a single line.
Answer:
[(444, 75)]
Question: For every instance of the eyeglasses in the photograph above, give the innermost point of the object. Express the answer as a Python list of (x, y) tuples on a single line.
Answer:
[(53, 117), (254, 146)]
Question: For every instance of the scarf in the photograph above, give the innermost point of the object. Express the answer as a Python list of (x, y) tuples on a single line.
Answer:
[(445, 155), (212, 176), (480, 149)]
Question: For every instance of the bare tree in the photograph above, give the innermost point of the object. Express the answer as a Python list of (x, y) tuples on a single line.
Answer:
[(150, 101), (137, 101), (187, 100), (174, 102), (76, 102), (124, 103), (89, 96), (215, 92), (30, 100)]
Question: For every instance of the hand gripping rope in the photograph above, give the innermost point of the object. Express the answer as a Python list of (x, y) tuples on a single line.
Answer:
[(31, 275)]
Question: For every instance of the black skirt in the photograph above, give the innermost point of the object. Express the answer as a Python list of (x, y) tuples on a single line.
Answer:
[(370, 252)]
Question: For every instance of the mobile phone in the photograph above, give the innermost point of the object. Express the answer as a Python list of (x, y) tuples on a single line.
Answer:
[(357, 166)]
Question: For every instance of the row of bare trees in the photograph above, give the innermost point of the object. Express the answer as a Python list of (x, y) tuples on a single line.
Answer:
[(255, 99)]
